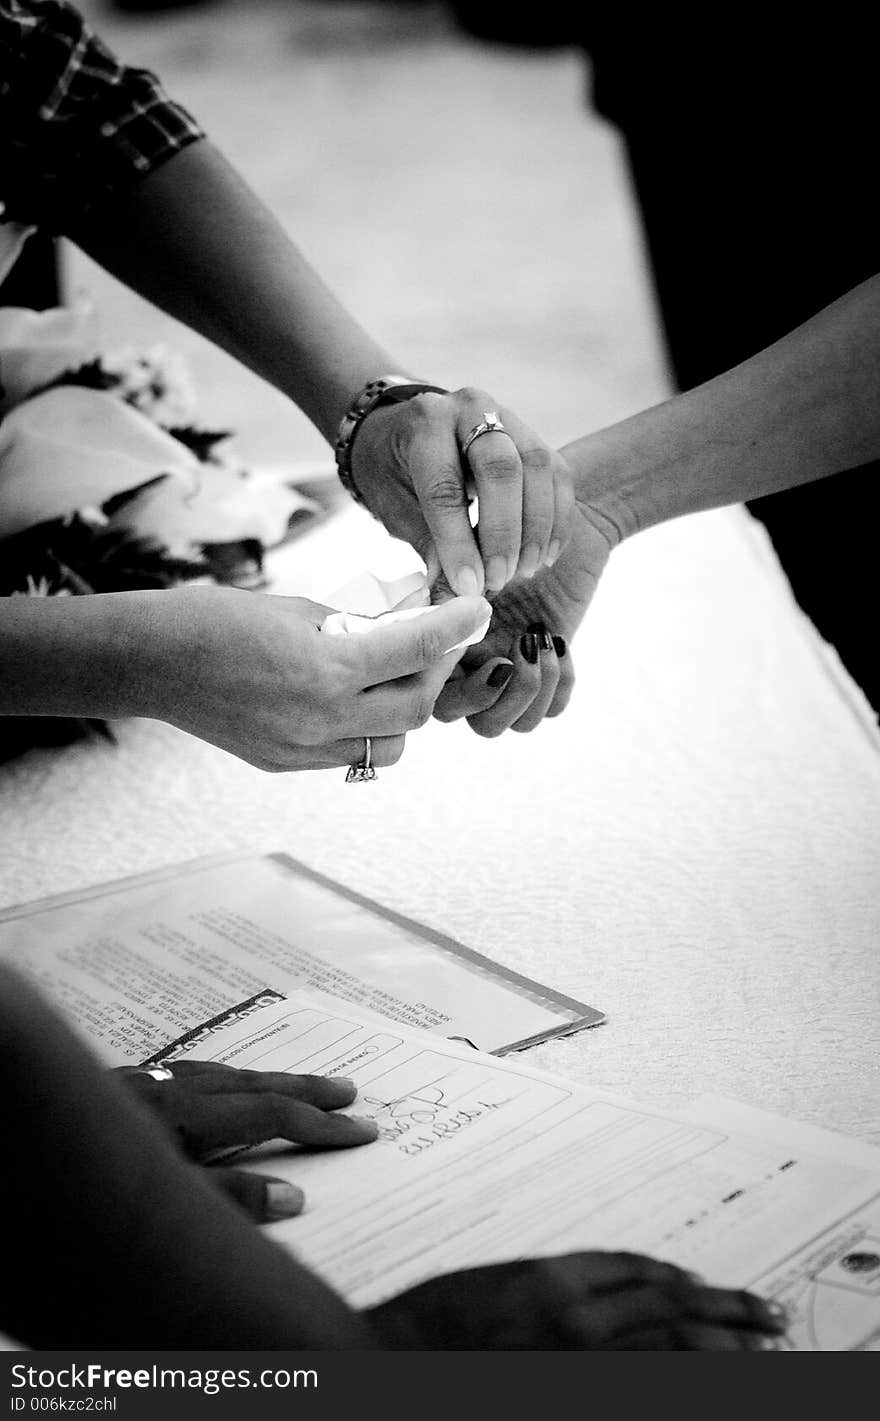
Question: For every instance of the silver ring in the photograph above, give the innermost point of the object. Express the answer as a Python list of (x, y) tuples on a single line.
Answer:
[(363, 772), (490, 424), (159, 1073)]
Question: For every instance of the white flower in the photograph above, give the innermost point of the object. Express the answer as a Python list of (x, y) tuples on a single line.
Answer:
[(156, 381)]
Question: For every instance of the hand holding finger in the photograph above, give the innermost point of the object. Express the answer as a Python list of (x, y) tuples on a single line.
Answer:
[(471, 692)]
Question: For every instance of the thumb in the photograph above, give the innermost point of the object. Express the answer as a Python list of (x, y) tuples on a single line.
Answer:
[(403, 643), (261, 1197)]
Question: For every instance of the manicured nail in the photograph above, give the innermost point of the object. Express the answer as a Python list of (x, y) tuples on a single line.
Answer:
[(283, 1200), (496, 573), (545, 640), (346, 1081), (559, 646), (528, 561), (553, 552), (467, 584), (499, 675), (528, 645)]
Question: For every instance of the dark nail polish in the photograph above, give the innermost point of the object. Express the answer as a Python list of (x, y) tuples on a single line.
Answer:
[(544, 639), (559, 646), (528, 645), (499, 676)]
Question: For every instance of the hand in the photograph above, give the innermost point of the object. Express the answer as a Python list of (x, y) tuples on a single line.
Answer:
[(522, 670), (211, 1108), (581, 1301), (408, 468), (253, 674)]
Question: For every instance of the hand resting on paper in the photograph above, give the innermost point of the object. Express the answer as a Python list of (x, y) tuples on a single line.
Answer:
[(210, 1108), (111, 1238), (581, 1301)]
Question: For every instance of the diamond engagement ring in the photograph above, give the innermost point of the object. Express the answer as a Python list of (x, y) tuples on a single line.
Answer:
[(363, 772), (159, 1073), (490, 424)]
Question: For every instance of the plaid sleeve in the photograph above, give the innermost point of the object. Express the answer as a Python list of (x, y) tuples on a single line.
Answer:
[(76, 126)]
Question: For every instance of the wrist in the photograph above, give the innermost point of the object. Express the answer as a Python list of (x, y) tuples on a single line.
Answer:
[(377, 393)]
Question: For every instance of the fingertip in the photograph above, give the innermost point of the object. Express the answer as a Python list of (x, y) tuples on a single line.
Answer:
[(364, 1130), (346, 1089), (282, 1200), (467, 582), (499, 675)]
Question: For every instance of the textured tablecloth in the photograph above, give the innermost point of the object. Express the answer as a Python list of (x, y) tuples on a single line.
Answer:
[(692, 847)]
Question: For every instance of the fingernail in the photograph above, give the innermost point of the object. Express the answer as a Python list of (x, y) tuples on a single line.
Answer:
[(283, 1200), (467, 584), (545, 640), (496, 573), (559, 646), (500, 675), (529, 559), (553, 552), (362, 1126), (528, 645), (346, 1081)]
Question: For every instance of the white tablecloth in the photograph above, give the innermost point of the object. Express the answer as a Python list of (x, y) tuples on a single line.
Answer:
[(692, 847)]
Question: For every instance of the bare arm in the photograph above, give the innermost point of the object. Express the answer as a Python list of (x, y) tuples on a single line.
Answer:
[(803, 409), (194, 239)]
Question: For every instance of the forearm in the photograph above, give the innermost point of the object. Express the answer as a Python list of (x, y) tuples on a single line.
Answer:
[(803, 409), (75, 656), (109, 1237), (195, 240)]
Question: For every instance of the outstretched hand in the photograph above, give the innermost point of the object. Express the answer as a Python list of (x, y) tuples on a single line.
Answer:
[(580, 1301), (211, 1109), (523, 670)]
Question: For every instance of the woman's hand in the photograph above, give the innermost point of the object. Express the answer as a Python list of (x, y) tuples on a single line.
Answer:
[(408, 468), (582, 1301), (212, 1109), (522, 670), (254, 674)]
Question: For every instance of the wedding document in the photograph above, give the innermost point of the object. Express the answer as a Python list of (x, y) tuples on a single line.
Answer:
[(142, 963), (482, 1159)]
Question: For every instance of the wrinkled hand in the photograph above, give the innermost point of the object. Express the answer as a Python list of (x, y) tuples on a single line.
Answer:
[(408, 468), (581, 1301), (253, 674), (210, 1108), (522, 670)]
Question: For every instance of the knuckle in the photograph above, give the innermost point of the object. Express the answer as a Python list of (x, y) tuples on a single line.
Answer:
[(446, 489), (472, 395), (499, 468), (538, 459), (421, 408)]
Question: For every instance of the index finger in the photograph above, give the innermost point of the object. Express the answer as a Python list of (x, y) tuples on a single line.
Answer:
[(435, 468)]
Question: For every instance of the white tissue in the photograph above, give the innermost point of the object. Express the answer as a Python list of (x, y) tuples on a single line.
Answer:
[(379, 603)]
